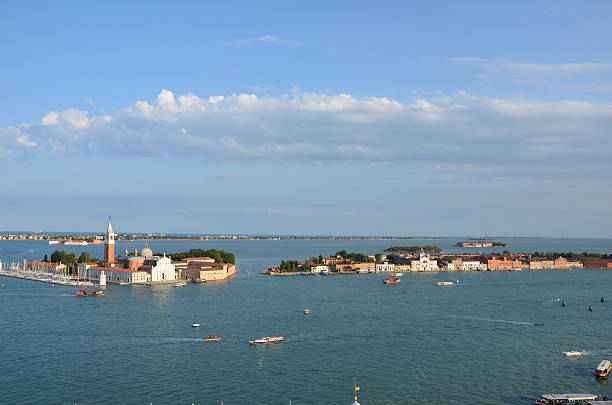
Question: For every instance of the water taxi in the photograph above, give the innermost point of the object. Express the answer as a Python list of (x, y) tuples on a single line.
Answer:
[(572, 353), (391, 281), (84, 292), (603, 369), (196, 324), (565, 398), (211, 338), (444, 283), (266, 340)]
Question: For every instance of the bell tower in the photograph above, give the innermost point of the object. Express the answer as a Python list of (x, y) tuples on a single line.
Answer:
[(109, 244)]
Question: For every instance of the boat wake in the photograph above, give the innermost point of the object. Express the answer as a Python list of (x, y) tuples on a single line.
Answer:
[(475, 318)]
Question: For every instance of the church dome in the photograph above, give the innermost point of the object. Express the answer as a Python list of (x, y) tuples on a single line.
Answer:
[(146, 251)]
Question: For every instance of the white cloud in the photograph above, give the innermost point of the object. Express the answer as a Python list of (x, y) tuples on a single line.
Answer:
[(532, 68), (446, 131), (264, 39)]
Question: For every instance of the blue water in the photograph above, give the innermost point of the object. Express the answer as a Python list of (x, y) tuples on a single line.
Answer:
[(472, 343)]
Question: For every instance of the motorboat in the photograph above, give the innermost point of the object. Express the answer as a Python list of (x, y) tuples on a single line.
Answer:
[(603, 369), (83, 292), (565, 398), (211, 338), (180, 284), (392, 281), (199, 280), (306, 311), (397, 274), (196, 324), (572, 353), (444, 283), (267, 339)]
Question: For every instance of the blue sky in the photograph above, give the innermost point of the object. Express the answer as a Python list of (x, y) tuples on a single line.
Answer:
[(411, 118)]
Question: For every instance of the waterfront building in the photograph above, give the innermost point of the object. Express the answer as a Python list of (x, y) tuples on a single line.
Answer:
[(386, 266), (475, 244), (505, 264), (541, 264), (424, 263), (563, 263), (320, 268), (113, 274), (596, 263), (109, 244), (204, 268), (352, 267), (44, 267), (160, 268)]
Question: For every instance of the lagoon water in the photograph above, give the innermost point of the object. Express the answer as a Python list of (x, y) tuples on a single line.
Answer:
[(472, 343)]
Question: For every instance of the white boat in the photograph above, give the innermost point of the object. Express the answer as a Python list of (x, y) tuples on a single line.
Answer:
[(267, 339), (397, 274), (180, 284), (306, 311), (572, 353), (196, 324), (565, 398)]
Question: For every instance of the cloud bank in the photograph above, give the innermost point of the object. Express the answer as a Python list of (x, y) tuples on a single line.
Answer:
[(457, 131)]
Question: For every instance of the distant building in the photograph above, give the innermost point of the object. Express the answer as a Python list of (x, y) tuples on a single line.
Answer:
[(477, 244), (320, 268), (352, 267), (385, 267), (204, 268), (424, 263), (109, 244), (596, 263), (494, 264), (563, 263)]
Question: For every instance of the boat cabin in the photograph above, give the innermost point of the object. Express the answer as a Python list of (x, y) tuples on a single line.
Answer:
[(604, 368)]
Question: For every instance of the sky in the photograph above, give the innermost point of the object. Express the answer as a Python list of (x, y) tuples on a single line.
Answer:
[(327, 118)]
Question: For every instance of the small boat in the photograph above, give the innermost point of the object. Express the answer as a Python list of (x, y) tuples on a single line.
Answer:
[(83, 292), (538, 324), (392, 281), (196, 324), (444, 283), (565, 398), (306, 311), (603, 369), (199, 280), (211, 338), (397, 274), (180, 284), (266, 340), (572, 353)]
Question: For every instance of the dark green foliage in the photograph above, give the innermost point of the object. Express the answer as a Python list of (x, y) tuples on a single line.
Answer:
[(220, 256), (354, 257)]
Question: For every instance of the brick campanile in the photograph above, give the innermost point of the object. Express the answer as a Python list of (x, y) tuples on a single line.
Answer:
[(109, 244)]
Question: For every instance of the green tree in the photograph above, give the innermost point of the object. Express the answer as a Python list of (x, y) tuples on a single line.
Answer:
[(378, 257)]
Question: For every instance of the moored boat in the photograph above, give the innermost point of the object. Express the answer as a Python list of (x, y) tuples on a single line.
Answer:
[(603, 369), (391, 281), (83, 292), (565, 398), (211, 338), (444, 283), (267, 339), (180, 284)]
